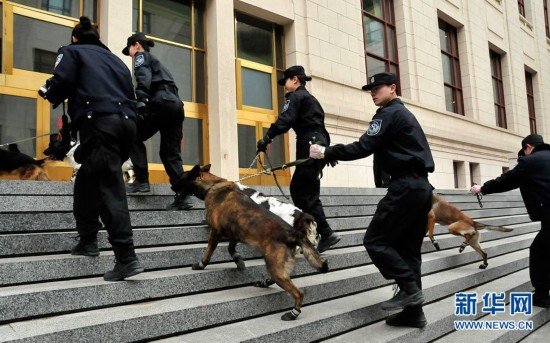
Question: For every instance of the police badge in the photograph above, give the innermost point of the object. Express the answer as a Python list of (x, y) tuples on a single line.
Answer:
[(140, 59), (57, 60), (374, 127), (285, 106)]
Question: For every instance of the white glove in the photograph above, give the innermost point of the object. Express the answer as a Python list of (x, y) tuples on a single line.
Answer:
[(317, 151), (476, 189)]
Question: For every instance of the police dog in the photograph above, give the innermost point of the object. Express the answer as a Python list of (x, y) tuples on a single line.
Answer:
[(232, 214), (15, 163), (458, 224)]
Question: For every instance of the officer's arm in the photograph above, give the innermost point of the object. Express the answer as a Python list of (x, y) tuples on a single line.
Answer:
[(287, 117), (65, 75), (143, 74), (507, 181), (379, 132)]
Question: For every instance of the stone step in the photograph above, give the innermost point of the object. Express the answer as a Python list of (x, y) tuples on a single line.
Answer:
[(158, 318), (539, 317), (57, 242), (16, 270), (439, 314), (18, 302), (342, 217), (261, 329), (538, 336)]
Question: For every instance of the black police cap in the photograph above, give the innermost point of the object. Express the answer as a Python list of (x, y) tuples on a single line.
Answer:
[(291, 72), (380, 79), (133, 39), (532, 140)]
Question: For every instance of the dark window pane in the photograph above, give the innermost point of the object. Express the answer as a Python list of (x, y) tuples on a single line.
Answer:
[(90, 9), (279, 48), (200, 83), (374, 36), (496, 91), (199, 24), (447, 69), (152, 146), (44, 61), (280, 93), (69, 8), (276, 150), (375, 66), (392, 45), (192, 149), (444, 40), (449, 99), (247, 145), (254, 40), (18, 121), (256, 88), (373, 7), (135, 15), (168, 19), (31, 34), (178, 62)]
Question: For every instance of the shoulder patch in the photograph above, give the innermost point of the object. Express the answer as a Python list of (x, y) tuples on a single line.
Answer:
[(140, 59), (285, 106), (374, 127), (57, 60)]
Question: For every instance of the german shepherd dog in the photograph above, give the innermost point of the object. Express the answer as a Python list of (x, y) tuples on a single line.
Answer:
[(232, 214), (15, 163), (458, 224)]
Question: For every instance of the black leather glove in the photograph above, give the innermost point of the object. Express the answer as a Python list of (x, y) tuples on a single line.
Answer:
[(142, 109), (262, 144)]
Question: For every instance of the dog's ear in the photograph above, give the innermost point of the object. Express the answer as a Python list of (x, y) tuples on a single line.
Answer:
[(206, 168), (194, 173)]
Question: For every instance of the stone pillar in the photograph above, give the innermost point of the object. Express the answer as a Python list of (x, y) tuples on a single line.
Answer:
[(115, 25), (222, 98)]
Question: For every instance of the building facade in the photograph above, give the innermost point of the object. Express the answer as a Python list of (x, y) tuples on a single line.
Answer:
[(474, 72)]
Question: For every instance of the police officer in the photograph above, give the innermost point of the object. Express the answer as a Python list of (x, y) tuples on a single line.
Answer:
[(532, 176), (102, 109), (303, 113), (160, 109), (395, 234)]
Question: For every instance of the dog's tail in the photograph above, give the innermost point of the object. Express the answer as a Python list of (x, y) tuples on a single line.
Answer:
[(313, 257), (480, 226)]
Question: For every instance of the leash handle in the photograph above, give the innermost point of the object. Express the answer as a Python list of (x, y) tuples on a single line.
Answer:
[(479, 196)]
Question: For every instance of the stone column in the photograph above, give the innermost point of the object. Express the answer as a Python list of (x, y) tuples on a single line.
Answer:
[(115, 25)]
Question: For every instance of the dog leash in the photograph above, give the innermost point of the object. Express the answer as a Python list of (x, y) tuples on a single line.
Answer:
[(27, 139), (479, 196)]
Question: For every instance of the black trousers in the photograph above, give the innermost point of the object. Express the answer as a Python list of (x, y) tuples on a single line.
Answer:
[(539, 257), (105, 142), (394, 237), (166, 116)]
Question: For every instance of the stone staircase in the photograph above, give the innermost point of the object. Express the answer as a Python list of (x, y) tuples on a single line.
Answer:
[(48, 295)]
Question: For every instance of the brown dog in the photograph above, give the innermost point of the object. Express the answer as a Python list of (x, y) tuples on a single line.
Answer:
[(458, 224), (15, 163), (232, 214)]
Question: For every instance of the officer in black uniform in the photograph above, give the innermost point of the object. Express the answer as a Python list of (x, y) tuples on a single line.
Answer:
[(160, 109), (303, 113), (395, 234), (102, 109), (532, 176)]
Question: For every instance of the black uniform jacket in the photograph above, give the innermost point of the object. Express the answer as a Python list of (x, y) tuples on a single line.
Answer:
[(532, 176), (93, 79), (150, 73)]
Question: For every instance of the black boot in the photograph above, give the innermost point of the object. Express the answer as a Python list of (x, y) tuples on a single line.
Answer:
[(409, 295), (86, 248), (181, 202), (138, 187), (327, 241), (126, 265), (410, 317), (541, 298)]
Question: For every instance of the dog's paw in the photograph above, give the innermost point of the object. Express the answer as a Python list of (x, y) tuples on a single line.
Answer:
[(237, 258), (483, 266), (324, 267), (292, 315), (198, 266)]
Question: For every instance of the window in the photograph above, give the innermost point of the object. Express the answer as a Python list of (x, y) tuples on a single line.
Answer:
[(44, 60), (531, 102), (475, 175), (546, 24), (380, 37), (498, 90), (451, 68), (18, 121), (458, 172), (521, 7), (70, 8)]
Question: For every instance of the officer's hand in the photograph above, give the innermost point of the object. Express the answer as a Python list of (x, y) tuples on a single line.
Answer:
[(317, 151), (262, 144), (476, 189), (142, 109)]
